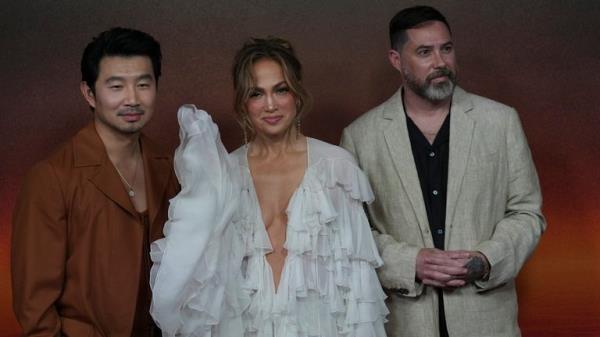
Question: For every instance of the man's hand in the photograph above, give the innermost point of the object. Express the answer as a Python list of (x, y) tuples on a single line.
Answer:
[(444, 269), (450, 269), (478, 267)]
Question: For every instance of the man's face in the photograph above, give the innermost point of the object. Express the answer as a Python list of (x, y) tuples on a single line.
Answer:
[(125, 93), (427, 61)]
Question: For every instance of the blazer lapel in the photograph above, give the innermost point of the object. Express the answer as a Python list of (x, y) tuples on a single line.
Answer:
[(89, 151), (461, 136), (157, 169), (398, 144), (108, 181)]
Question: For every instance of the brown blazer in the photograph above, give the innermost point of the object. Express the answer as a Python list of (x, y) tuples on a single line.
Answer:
[(77, 240)]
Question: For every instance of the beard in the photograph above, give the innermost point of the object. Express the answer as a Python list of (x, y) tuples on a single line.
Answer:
[(433, 92)]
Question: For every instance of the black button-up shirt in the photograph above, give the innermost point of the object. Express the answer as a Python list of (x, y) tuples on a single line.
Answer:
[(432, 167), (431, 161)]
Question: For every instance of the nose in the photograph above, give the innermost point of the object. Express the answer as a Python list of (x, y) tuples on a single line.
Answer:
[(131, 96), (439, 60), (270, 104)]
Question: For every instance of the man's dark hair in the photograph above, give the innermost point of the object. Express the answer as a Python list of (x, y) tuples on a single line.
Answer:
[(410, 18), (118, 42)]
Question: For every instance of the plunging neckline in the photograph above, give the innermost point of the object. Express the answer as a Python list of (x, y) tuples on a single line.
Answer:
[(261, 220)]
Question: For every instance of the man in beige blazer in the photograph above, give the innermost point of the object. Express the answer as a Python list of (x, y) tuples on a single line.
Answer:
[(457, 199), (86, 215)]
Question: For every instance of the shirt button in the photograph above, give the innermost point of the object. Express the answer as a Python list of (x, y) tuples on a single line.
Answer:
[(432, 154), (439, 231), (435, 192), (402, 291)]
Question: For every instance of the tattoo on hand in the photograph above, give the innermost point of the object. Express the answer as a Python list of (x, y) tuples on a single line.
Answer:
[(476, 269)]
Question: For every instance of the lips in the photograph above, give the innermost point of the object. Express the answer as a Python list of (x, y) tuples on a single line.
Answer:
[(272, 120), (440, 75), (131, 115), (438, 79)]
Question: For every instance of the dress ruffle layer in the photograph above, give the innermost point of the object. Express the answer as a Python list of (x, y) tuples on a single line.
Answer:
[(328, 285)]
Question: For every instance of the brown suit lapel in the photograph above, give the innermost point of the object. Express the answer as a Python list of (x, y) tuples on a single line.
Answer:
[(89, 150)]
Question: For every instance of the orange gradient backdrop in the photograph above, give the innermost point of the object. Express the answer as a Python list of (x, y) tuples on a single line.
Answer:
[(542, 57)]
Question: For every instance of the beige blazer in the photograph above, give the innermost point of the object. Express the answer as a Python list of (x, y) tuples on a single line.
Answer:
[(493, 206), (77, 240)]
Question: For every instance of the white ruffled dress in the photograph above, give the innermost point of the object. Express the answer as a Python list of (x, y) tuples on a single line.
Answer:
[(210, 275)]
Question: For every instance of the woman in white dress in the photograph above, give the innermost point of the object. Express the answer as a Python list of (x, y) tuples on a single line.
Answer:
[(270, 240)]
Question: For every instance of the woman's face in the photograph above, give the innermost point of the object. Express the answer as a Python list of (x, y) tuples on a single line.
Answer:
[(271, 105)]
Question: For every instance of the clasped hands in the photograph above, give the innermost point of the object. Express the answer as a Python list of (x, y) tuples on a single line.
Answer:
[(450, 269)]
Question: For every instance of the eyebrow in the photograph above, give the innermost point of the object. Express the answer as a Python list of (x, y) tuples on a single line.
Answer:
[(121, 78), (145, 77), (275, 86), (430, 46), (280, 84)]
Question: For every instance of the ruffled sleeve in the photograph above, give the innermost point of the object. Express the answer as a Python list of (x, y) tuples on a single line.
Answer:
[(196, 266)]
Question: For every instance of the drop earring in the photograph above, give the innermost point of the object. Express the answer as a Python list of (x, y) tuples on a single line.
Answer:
[(244, 124), (298, 127)]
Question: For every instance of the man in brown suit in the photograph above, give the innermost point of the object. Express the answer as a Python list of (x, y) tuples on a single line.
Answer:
[(86, 215)]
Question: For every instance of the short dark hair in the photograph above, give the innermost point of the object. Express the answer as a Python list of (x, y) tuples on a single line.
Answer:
[(118, 41), (278, 50), (409, 18)]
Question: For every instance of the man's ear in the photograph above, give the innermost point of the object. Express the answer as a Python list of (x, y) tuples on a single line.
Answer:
[(395, 60), (88, 94)]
